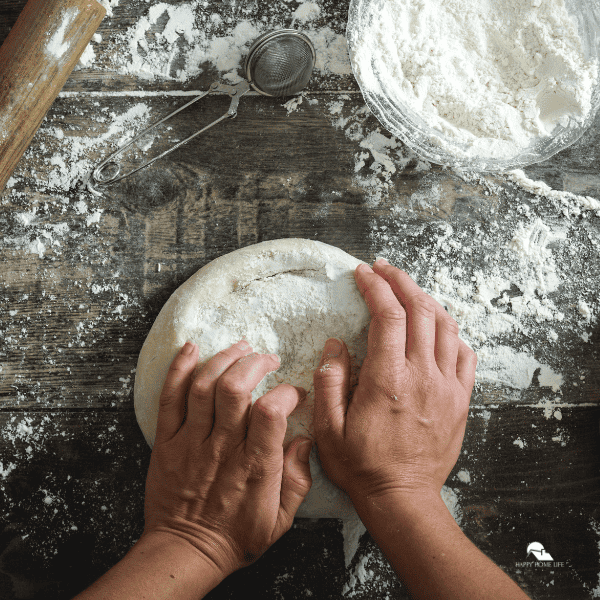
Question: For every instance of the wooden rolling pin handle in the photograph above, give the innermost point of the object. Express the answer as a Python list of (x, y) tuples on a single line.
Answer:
[(36, 59)]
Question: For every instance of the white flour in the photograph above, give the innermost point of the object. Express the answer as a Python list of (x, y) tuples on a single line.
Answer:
[(543, 189), (379, 155), (57, 46), (491, 75), (198, 40), (513, 310), (109, 5)]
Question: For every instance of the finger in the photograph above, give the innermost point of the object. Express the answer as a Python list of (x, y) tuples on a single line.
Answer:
[(171, 405), (446, 344), (233, 396), (268, 422), (295, 484), (201, 398), (387, 330), (446, 333), (332, 386), (421, 312), (465, 367)]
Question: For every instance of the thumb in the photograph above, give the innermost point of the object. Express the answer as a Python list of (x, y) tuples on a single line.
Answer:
[(331, 385), (296, 481), (171, 405)]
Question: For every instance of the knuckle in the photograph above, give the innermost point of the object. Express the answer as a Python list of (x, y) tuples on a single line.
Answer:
[(166, 397), (423, 305), (327, 375), (468, 354), (227, 353), (392, 313), (199, 387), (232, 386), (253, 356), (256, 470), (450, 324), (177, 367), (261, 464), (218, 455), (269, 411), (299, 483)]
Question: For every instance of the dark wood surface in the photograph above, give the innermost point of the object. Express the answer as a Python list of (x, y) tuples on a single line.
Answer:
[(78, 304)]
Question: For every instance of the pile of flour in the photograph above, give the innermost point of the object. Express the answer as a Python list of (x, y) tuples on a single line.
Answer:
[(490, 75)]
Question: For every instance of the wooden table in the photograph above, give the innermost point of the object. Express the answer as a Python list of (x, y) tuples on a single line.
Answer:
[(83, 277)]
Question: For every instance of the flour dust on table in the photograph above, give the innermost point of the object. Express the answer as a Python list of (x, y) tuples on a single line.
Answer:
[(199, 37)]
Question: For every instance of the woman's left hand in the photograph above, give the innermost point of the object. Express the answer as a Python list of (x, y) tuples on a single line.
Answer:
[(219, 477)]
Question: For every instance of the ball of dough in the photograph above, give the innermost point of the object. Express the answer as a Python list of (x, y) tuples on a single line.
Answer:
[(282, 296)]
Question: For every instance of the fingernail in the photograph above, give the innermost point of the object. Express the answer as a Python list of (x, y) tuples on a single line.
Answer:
[(243, 345), (333, 348), (364, 267), (303, 451), (382, 261), (188, 348)]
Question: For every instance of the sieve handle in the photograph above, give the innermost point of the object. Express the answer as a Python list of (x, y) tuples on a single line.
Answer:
[(94, 177)]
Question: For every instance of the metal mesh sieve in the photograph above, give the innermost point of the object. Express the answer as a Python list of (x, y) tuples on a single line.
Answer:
[(280, 63)]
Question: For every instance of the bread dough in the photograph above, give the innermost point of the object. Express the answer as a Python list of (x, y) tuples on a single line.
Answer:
[(282, 296)]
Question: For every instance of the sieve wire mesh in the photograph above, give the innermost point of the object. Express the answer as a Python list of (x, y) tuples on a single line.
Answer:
[(282, 66)]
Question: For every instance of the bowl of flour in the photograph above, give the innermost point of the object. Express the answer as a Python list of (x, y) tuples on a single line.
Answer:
[(479, 84)]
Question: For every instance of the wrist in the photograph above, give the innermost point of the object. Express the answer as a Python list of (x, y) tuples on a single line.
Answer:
[(418, 508), (427, 549), (185, 561), (160, 566)]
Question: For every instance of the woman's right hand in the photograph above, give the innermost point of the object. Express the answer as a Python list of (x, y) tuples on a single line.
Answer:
[(402, 429)]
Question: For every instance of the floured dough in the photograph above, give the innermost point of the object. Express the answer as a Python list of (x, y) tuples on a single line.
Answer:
[(282, 296)]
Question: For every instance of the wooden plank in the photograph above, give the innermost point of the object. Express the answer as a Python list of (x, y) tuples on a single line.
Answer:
[(80, 293), (264, 175), (82, 514)]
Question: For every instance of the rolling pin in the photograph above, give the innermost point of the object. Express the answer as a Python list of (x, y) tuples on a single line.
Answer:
[(36, 59)]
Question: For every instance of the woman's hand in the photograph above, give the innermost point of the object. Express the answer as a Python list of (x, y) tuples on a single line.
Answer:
[(402, 430), (221, 480), (394, 443)]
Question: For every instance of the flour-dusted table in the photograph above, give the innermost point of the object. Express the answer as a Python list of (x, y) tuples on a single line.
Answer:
[(82, 278)]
